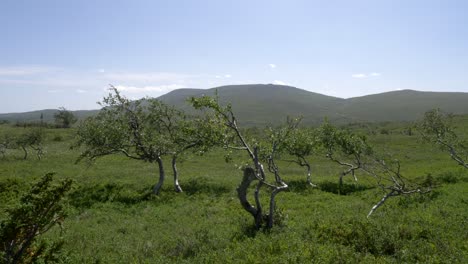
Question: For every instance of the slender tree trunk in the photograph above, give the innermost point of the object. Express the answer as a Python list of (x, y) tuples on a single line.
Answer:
[(256, 212), (39, 154), (382, 201), (259, 215), (39, 151), (340, 183), (2, 151), (176, 174), (273, 205), (249, 176), (162, 175), (309, 173), (25, 152)]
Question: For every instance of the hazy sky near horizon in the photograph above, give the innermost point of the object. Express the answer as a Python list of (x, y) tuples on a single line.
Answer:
[(66, 53)]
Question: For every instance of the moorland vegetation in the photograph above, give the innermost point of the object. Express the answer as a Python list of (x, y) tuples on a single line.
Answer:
[(362, 192)]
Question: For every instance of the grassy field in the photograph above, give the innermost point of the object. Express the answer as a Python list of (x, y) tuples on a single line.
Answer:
[(113, 219)]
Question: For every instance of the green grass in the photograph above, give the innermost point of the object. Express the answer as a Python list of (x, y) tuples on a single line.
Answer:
[(113, 219)]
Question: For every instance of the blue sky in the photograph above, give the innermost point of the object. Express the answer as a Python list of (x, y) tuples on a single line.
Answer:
[(65, 53)]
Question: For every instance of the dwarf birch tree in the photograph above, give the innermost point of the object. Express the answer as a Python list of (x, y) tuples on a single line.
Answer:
[(391, 180), (142, 130), (352, 152), (437, 129), (345, 149), (255, 173), (301, 144)]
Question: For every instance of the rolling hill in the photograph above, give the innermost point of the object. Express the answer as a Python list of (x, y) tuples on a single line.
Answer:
[(262, 104), (48, 115), (404, 105), (270, 104)]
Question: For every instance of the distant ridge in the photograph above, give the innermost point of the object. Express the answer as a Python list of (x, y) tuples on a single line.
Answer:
[(403, 105), (262, 104), (48, 115)]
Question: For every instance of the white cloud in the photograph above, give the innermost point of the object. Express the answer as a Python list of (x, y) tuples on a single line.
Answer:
[(22, 71), (359, 76), (365, 75), (278, 82), (55, 91), (159, 89), (224, 76), (272, 65), (148, 77), (93, 83)]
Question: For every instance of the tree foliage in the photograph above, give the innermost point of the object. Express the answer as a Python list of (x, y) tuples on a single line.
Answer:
[(437, 128), (258, 153), (347, 149), (31, 139), (343, 147), (64, 118), (389, 178), (301, 144), (40, 209), (354, 153), (145, 130)]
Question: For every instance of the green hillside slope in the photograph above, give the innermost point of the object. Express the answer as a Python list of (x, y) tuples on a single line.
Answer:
[(260, 104), (405, 105), (48, 115), (263, 104)]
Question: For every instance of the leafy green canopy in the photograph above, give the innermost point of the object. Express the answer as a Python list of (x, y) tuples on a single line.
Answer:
[(40, 209), (64, 118), (144, 130), (438, 129)]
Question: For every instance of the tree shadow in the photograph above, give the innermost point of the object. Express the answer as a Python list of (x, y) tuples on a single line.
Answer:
[(299, 186), (203, 185), (245, 231), (86, 196), (346, 188), (407, 201)]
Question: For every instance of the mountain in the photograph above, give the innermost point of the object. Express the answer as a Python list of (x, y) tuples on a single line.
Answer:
[(48, 115), (404, 105), (262, 104), (269, 104)]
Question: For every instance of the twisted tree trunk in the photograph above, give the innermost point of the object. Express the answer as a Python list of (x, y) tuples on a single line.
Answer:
[(249, 176), (176, 174), (381, 202), (305, 163), (162, 176), (273, 204), (39, 151), (259, 216), (255, 211), (2, 150), (340, 183), (25, 152)]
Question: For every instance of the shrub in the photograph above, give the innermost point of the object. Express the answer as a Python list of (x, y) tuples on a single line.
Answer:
[(39, 210), (384, 131), (58, 138)]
